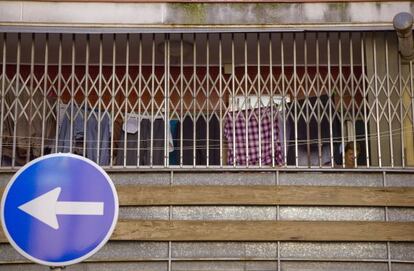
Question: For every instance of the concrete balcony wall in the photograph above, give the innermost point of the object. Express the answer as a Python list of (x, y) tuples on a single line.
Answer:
[(97, 17), (132, 255)]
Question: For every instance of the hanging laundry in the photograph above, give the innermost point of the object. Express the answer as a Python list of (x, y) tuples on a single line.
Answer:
[(249, 137), (202, 144), (94, 143), (137, 133)]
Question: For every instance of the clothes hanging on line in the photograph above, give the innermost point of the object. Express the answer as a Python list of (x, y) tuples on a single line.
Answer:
[(137, 131), (257, 124), (200, 140), (175, 154), (94, 143)]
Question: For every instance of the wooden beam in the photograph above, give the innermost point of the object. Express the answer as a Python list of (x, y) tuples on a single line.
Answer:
[(266, 195), (263, 231), (164, 230), (141, 195)]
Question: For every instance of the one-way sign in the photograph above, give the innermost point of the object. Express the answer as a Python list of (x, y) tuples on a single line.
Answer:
[(59, 209)]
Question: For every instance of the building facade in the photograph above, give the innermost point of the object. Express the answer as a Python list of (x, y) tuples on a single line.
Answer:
[(240, 136)]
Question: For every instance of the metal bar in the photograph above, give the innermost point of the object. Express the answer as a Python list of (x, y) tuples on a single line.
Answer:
[(330, 99), (341, 98), (284, 97), (389, 102), (139, 142), (376, 100), (246, 102), (221, 98), (295, 94), (127, 88), (72, 92), (16, 96), (113, 100), (3, 86), (31, 101), (208, 100), (318, 93), (181, 98), (400, 100), (259, 89), (86, 92), (365, 99), (152, 100), (233, 98), (273, 115), (412, 93), (125, 118), (352, 75), (98, 140), (45, 94), (59, 94), (306, 92), (166, 100), (194, 92)]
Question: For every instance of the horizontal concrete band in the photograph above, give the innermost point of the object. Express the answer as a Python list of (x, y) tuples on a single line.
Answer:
[(107, 16), (194, 195), (158, 230)]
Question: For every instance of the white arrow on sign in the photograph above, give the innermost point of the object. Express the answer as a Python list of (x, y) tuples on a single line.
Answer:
[(46, 208)]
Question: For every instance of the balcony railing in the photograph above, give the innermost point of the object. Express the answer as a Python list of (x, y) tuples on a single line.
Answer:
[(208, 100)]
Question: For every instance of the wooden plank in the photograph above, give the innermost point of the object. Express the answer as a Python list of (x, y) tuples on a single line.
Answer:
[(266, 195), (164, 230), (263, 231), (139, 195)]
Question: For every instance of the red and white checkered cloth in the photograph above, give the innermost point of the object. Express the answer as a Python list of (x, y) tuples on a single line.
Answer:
[(251, 144)]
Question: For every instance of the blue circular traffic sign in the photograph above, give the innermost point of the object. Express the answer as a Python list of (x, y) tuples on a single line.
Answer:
[(59, 209)]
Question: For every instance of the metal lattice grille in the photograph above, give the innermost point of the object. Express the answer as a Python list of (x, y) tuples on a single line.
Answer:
[(207, 100)]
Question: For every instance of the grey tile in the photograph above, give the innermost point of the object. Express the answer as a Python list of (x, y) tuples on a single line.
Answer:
[(332, 213), (9, 254), (328, 266), (5, 178), (130, 251), (144, 213), (23, 267), (224, 213), (147, 266), (340, 179), (402, 266), (401, 179), (401, 214), (140, 178), (224, 266), (402, 251), (243, 178), (331, 250), (224, 250)]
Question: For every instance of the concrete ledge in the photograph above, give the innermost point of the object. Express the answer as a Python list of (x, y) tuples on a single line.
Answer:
[(138, 17)]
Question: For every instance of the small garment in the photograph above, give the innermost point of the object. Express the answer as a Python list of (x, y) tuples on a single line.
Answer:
[(257, 125), (94, 144), (212, 125), (137, 132), (175, 153)]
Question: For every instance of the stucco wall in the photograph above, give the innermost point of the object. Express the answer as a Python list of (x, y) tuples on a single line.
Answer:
[(174, 16)]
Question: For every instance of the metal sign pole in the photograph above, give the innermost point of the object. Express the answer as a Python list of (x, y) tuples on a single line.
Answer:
[(57, 268)]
